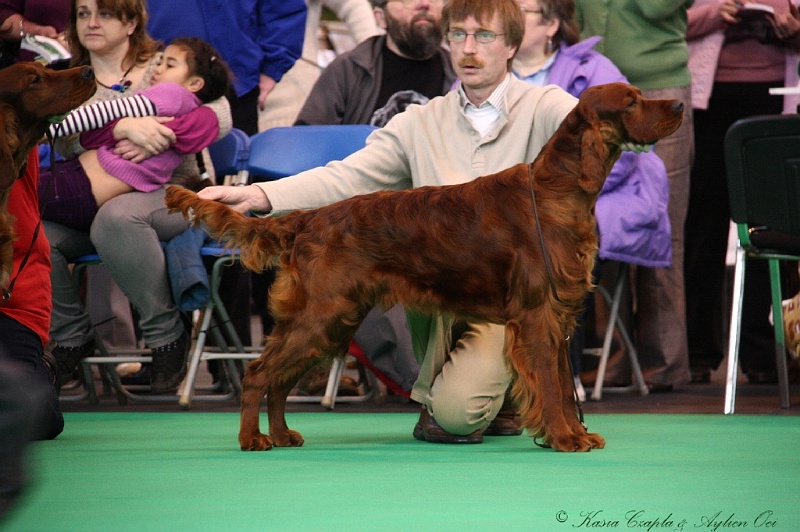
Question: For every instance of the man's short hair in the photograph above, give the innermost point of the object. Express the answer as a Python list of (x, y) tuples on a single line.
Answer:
[(511, 17)]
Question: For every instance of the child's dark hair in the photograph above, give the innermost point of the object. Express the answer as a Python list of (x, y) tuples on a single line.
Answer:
[(205, 61)]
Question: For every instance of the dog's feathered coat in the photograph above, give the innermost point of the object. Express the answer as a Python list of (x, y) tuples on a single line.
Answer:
[(472, 250)]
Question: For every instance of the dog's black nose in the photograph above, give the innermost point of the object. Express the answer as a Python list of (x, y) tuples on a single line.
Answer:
[(87, 72), (677, 106)]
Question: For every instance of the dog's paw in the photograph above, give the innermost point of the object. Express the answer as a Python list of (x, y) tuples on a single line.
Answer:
[(259, 442), (290, 438), (596, 441), (581, 443)]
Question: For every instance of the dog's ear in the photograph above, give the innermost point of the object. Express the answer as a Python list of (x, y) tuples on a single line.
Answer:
[(594, 154), (9, 144)]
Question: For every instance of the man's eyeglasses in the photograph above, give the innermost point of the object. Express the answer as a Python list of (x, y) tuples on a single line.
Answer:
[(482, 36), (415, 3)]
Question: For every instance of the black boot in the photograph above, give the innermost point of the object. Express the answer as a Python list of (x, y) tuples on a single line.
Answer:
[(68, 358), (169, 365)]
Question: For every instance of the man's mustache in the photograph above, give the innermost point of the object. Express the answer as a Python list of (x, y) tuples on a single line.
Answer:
[(423, 16), (470, 62)]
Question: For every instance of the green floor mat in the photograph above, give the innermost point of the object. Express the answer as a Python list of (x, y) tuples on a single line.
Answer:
[(184, 471)]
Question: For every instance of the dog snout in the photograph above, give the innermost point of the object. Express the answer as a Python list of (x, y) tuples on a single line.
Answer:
[(87, 73)]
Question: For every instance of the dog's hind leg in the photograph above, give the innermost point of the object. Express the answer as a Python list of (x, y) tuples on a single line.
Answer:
[(254, 386), (290, 351)]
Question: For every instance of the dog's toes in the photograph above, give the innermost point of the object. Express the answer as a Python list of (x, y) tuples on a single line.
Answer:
[(291, 438), (580, 443), (597, 441), (259, 442)]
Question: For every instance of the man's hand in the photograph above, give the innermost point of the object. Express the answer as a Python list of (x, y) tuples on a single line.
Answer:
[(241, 199), (265, 86)]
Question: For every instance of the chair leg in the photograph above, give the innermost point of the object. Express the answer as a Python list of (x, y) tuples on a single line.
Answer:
[(186, 393), (332, 388), (597, 390), (780, 341), (614, 322), (735, 329)]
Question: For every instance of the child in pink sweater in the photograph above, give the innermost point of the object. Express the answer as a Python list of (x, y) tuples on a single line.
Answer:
[(191, 73)]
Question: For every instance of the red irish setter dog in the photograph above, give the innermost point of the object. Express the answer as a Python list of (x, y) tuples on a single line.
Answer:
[(473, 250), (30, 96)]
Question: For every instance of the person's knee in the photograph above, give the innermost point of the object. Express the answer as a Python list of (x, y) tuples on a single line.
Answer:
[(111, 218), (463, 415)]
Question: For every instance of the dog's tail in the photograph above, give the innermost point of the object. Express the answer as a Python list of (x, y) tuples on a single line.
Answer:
[(258, 239)]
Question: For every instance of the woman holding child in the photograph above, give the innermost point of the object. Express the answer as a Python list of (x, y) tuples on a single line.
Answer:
[(128, 229)]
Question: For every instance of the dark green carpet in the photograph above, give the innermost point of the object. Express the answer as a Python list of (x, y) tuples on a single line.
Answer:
[(183, 471)]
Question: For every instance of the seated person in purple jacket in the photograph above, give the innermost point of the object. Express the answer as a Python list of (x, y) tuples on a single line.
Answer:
[(191, 73), (631, 210)]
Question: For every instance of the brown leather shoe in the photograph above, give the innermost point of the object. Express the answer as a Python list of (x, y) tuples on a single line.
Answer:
[(427, 429), (507, 423)]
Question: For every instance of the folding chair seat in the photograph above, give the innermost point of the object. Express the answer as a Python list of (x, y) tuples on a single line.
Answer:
[(762, 158)]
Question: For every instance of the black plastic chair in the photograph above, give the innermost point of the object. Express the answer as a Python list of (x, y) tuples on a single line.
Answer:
[(762, 156)]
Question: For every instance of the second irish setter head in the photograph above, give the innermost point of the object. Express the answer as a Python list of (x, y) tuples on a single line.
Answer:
[(30, 97)]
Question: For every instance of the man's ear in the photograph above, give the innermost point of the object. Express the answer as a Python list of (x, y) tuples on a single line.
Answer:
[(9, 143), (195, 83), (380, 17)]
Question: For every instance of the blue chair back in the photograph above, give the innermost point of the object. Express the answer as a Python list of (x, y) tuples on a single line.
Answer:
[(285, 151), (229, 155)]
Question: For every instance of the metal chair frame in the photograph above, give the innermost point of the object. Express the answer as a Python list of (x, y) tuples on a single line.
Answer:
[(762, 157)]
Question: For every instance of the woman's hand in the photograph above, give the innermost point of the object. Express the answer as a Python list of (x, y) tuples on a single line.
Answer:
[(146, 132), (729, 11), (787, 24), (130, 151), (241, 199)]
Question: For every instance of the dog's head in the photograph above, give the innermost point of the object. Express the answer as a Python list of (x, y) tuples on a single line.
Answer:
[(30, 97), (615, 117)]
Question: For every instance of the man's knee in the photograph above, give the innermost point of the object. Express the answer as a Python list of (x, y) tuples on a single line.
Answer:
[(461, 415)]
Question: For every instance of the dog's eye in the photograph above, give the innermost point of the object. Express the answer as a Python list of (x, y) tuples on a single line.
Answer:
[(36, 79)]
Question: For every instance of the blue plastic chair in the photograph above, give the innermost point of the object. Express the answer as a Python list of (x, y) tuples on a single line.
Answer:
[(284, 151), (230, 154)]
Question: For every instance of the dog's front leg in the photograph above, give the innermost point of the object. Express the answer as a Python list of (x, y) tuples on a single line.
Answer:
[(588, 440), (533, 342)]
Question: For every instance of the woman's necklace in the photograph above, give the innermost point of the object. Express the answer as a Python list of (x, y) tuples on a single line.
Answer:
[(123, 83)]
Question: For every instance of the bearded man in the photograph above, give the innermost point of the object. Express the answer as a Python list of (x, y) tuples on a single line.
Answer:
[(384, 74)]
